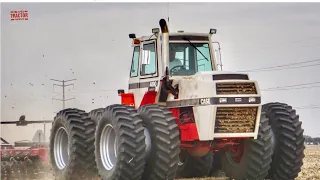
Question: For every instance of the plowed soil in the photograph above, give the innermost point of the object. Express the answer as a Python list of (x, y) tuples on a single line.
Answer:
[(310, 169)]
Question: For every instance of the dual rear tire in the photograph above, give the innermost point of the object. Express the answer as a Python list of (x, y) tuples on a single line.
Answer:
[(164, 148), (138, 144), (69, 151), (116, 142), (120, 144)]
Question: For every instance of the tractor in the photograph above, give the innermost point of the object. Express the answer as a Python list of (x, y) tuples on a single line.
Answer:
[(25, 159), (181, 117)]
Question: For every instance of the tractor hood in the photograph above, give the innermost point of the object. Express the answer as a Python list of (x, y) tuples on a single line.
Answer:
[(215, 75), (203, 84)]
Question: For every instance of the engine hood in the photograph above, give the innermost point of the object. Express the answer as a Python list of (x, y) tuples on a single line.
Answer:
[(203, 84), (214, 76)]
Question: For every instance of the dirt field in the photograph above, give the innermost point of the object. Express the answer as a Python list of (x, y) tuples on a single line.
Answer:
[(310, 169)]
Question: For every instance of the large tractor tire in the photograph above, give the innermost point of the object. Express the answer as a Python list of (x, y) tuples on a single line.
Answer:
[(216, 170), (96, 114), (288, 141), (252, 157), (69, 155), (120, 144), (162, 142), (195, 167)]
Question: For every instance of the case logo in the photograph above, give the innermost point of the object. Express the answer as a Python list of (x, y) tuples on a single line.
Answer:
[(205, 101)]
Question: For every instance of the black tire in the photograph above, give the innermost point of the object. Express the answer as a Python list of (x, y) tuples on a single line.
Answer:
[(216, 170), (130, 139), (196, 167), (96, 114), (256, 159), (289, 145), (163, 158), (75, 123)]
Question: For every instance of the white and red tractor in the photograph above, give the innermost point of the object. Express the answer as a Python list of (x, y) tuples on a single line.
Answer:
[(181, 117)]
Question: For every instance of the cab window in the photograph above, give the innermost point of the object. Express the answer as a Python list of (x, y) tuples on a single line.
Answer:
[(188, 59), (135, 62), (148, 65)]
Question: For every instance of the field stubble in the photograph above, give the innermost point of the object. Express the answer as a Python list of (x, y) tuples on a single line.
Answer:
[(310, 169)]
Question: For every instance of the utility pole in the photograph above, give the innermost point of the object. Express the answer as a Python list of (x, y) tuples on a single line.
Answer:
[(63, 90)]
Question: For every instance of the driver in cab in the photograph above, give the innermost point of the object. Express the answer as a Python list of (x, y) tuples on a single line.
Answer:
[(173, 62)]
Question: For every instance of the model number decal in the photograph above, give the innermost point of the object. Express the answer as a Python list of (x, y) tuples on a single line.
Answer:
[(153, 84)]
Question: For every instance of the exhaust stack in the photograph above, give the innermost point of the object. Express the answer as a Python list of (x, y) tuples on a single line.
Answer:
[(165, 44)]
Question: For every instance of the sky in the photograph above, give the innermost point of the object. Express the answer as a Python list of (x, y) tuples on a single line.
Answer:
[(89, 42)]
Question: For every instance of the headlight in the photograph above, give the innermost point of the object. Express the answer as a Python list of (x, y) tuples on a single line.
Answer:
[(252, 99), (222, 100)]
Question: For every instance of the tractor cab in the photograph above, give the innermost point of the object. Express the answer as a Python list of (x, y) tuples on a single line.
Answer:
[(154, 62), (189, 54)]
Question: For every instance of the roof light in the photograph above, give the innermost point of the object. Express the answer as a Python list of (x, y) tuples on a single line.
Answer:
[(155, 30), (132, 36), (213, 31)]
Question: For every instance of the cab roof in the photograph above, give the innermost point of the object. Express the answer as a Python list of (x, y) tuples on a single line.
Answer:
[(177, 36)]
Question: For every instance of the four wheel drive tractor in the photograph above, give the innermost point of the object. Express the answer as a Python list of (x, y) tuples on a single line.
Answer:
[(181, 117), (25, 159)]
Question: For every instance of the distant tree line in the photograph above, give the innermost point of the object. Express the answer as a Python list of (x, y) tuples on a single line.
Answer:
[(311, 140)]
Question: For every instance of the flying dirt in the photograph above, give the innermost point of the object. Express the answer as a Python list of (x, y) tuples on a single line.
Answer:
[(180, 118), (25, 159)]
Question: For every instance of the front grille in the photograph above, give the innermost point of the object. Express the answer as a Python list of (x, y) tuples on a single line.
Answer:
[(236, 88), (235, 119)]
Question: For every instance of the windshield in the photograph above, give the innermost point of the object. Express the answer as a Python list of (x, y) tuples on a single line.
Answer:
[(185, 59)]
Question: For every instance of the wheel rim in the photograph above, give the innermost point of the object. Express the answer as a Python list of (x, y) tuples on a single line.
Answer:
[(61, 148), (147, 141), (108, 147)]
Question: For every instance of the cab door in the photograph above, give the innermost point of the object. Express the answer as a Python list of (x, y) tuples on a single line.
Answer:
[(149, 73), (134, 74)]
